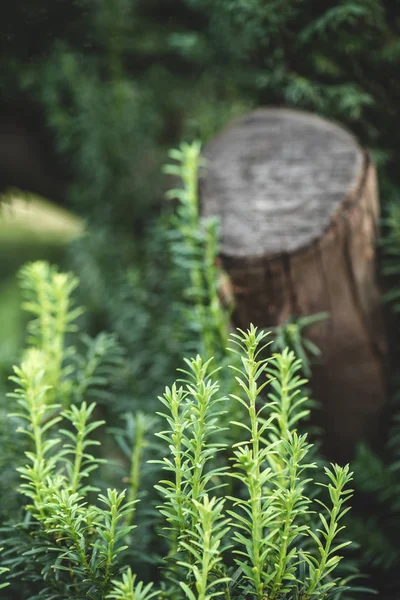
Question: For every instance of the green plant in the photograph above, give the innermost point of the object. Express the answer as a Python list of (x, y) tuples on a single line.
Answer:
[(74, 540), (127, 589), (291, 335), (268, 523), (77, 536), (82, 539), (167, 283), (113, 87), (194, 251), (204, 549), (192, 427)]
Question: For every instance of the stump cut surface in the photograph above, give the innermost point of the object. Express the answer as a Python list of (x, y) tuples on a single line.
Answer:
[(276, 178)]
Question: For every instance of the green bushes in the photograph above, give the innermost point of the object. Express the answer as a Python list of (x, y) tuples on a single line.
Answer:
[(124, 80), (238, 518), (237, 512)]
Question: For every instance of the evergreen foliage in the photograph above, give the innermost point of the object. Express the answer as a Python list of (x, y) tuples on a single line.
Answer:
[(168, 284), (119, 80), (72, 540), (115, 84)]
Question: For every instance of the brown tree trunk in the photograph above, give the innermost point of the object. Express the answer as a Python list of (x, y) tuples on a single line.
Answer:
[(299, 208)]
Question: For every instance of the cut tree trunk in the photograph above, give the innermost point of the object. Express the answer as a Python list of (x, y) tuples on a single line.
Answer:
[(298, 202)]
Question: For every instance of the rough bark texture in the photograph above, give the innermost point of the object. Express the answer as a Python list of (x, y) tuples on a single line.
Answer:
[(299, 208)]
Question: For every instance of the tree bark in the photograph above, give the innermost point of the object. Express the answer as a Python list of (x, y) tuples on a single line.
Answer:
[(298, 203)]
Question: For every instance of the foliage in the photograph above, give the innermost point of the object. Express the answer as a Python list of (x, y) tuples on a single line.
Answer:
[(78, 541), (292, 335), (119, 80), (169, 284), (73, 540), (195, 248), (114, 83), (267, 520), (126, 589)]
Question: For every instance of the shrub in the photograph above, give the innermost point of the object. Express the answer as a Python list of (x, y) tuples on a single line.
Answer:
[(238, 517)]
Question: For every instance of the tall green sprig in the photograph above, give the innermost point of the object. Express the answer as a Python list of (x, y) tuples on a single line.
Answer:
[(82, 541), (292, 505), (48, 297), (195, 250), (110, 532), (327, 559), (141, 424), (291, 335), (256, 512), (38, 416), (193, 412), (291, 501), (85, 536), (172, 490), (79, 462), (205, 549), (204, 415), (272, 522)]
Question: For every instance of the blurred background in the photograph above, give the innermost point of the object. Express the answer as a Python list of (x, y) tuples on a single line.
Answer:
[(93, 93)]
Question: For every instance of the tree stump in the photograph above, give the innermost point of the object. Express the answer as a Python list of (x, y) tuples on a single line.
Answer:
[(298, 202)]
